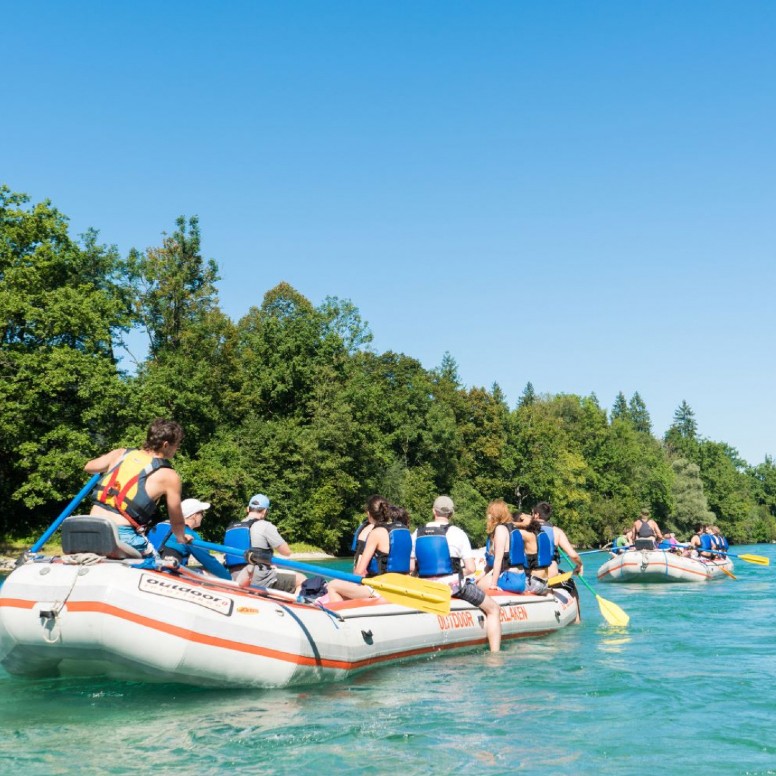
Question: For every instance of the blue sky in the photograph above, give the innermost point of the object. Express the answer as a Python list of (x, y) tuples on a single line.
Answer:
[(579, 194)]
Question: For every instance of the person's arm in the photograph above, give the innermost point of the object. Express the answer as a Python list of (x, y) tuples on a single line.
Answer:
[(523, 521), (172, 495), (499, 547), (567, 547), (372, 542), (245, 576), (657, 531), (104, 462)]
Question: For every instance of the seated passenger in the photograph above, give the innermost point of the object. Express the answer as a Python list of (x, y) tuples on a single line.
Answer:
[(163, 539), (539, 555), (443, 552), (505, 559), (263, 539), (387, 549)]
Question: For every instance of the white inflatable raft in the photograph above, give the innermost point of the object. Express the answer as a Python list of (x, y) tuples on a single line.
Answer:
[(656, 566), (106, 617)]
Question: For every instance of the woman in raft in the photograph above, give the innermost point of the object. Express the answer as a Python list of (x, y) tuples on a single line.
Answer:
[(383, 545), (514, 560)]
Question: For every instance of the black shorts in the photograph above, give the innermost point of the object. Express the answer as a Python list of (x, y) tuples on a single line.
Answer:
[(470, 593)]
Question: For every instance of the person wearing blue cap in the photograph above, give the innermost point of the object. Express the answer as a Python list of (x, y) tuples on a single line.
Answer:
[(263, 539)]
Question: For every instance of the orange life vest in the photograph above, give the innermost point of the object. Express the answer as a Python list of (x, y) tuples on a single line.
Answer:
[(123, 488)]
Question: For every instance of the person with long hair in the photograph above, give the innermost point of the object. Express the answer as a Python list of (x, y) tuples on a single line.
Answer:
[(500, 572), (379, 552)]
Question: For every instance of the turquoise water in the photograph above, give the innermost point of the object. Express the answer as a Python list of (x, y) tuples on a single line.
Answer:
[(688, 687)]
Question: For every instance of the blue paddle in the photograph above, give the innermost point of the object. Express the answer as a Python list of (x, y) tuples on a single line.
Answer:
[(66, 512), (416, 593)]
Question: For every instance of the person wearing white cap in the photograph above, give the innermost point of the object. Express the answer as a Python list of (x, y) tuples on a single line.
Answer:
[(443, 552), (162, 538)]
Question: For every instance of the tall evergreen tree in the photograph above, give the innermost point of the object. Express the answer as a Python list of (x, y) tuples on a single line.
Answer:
[(638, 414), (619, 408)]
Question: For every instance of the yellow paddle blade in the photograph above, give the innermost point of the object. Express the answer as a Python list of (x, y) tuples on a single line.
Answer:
[(612, 613), (416, 593), (559, 579), (760, 560), (729, 573)]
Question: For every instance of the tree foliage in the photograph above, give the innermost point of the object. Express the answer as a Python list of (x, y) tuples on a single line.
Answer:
[(292, 401)]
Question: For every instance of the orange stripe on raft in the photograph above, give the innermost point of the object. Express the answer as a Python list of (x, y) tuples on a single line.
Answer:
[(87, 607), (658, 566), (18, 603)]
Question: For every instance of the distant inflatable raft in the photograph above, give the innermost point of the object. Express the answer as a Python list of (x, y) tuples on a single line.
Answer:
[(659, 566)]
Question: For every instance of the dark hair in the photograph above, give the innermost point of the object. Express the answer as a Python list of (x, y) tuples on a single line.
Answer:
[(534, 527), (399, 515), (543, 509), (374, 505), (161, 431)]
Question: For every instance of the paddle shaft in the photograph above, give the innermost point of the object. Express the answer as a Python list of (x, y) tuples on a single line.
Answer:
[(578, 576), (66, 512), (284, 562)]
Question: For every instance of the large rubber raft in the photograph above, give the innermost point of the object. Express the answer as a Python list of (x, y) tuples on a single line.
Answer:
[(87, 615), (661, 566)]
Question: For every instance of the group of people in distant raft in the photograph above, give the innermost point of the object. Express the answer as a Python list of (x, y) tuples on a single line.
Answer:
[(522, 553), (707, 542)]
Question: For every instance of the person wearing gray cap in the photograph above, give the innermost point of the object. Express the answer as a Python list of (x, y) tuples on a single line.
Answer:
[(443, 552)]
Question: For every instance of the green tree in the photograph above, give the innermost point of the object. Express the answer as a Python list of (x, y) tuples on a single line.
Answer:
[(62, 304), (620, 408), (638, 414)]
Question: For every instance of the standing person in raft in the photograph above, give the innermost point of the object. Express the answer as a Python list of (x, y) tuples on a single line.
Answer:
[(443, 552), (135, 481), (646, 534)]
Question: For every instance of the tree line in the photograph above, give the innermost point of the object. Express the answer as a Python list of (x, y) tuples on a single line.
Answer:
[(292, 400)]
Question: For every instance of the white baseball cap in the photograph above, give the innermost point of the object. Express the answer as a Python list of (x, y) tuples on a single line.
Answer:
[(191, 506)]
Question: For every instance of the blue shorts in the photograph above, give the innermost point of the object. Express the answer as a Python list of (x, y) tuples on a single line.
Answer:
[(130, 536)]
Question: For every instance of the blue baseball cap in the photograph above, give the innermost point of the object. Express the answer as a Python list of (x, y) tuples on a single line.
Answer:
[(259, 501)]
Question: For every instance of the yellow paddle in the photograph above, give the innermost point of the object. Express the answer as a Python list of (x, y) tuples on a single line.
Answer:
[(729, 573), (760, 560), (416, 593), (609, 611), (559, 579)]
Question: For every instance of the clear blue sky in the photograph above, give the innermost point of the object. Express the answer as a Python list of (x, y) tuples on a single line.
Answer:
[(579, 194)]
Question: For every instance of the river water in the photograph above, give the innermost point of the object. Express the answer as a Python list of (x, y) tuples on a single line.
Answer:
[(688, 687)]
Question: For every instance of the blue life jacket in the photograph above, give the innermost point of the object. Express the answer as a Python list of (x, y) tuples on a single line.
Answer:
[(432, 552), (360, 528), (514, 554), (168, 546), (706, 542), (238, 535), (545, 550), (725, 545), (717, 543), (357, 545), (159, 533), (664, 544), (397, 559), (547, 528)]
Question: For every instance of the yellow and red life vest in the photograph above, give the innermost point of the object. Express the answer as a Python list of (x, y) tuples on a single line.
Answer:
[(122, 489)]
